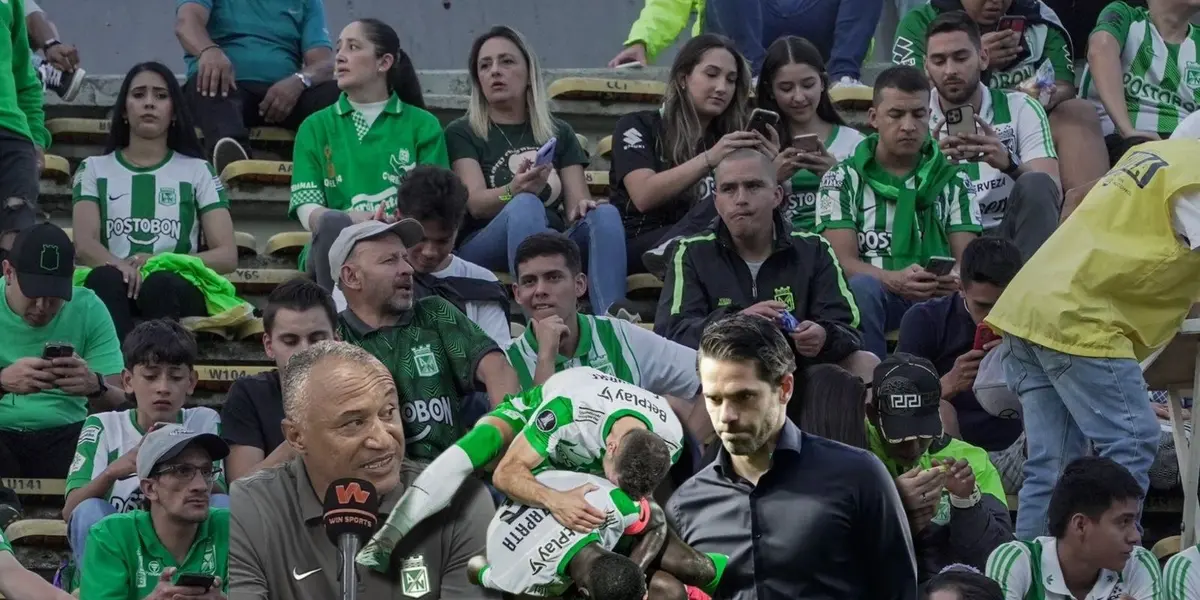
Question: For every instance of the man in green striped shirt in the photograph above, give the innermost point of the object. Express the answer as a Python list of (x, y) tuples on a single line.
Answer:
[(893, 205)]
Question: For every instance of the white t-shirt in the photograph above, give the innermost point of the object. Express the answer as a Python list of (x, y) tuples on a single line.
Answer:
[(1186, 216), (1181, 576), (1020, 576), (528, 551)]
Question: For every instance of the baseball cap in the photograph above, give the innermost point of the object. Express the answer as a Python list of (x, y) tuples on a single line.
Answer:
[(410, 231), (908, 392), (168, 441), (44, 259)]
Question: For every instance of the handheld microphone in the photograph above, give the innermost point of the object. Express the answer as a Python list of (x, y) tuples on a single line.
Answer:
[(351, 514)]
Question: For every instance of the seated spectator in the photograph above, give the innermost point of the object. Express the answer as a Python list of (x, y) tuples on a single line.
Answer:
[(1112, 284), (1140, 74), (1093, 548), (1181, 575), (436, 355), (662, 159), (1010, 161), (1014, 54), (138, 554), (493, 149), (832, 405), (59, 356), (951, 492), (437, 199), (159, 376), (298, 314), (277, 522), (23, 134), (943, 331), (842, 30), (850, 540), (893, 205), (962, 582), (19, 583), (794, 84), (350, 158), (58, 66), (150, 194), (269, 66)]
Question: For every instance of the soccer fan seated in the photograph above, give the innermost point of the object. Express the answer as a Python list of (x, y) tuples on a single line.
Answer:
[(1181, 575), (1094, 548), (159, 376), (177, 547), (18, 583), (530, 553)]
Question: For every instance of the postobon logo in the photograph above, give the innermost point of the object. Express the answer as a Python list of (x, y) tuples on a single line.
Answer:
[(1140, 88), (874, 240), (426, 412), (143, 231)]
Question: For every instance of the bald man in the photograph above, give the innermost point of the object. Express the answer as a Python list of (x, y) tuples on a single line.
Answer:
[(750, 261), (342, 419)]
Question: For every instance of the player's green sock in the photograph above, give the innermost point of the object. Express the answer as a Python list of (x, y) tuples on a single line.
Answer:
[(719, 563)]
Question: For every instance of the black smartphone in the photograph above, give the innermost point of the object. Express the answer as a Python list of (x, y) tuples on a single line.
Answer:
[(198, 580), (762, 121), (939, 266), (53, 350)]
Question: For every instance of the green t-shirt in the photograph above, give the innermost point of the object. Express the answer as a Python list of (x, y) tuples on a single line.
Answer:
[(1162, 81), (124, 557), (85, 324), (501, 154), (343, 163), (433, 354), (1044, 42)]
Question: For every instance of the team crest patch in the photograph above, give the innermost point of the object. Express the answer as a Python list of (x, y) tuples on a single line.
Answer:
[(166, 196), (427, 365), (784, 295), (77, 463), (49, 258), (1191, 76), (414, 577), (547, 421)]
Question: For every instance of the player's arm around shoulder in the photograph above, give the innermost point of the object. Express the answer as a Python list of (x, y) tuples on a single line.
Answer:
[(1009, 566)]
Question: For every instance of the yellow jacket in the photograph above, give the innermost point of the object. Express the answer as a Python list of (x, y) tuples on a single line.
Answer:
[(661, 21)]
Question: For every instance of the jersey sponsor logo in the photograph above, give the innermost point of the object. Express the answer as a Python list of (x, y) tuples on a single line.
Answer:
[(305, 185), (1150, 92), (833, 180), (414, 577), (135, 501), (143, 231), (584, 414), (370, 202), (1141, 166), (401, 163), (706, 189), (90, 434), (298, 576), (426, 412), (523, 521), (552, 550), (427, 364), (629, 397), (76, 464), (632, 139), (546, 421), (784, 295), (902, 52), (797, 200), (1012, 78), (874, 241), (167, 196), (605, 377), (978, 187), (112, 198), (996, 207)]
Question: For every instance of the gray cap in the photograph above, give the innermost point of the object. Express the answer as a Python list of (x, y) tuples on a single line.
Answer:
[(410, 231), (168, 441)]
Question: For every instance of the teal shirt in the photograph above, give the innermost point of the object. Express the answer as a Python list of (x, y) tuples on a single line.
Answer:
[(264, 39)]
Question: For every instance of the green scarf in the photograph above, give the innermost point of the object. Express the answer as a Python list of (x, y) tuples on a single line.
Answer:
[(917, 229), (219, 294)]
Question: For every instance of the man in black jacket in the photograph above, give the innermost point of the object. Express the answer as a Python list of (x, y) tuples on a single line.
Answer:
[(750, 261)]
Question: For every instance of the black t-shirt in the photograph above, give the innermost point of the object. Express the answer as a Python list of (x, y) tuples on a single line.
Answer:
[(253, 412), (637, 144)]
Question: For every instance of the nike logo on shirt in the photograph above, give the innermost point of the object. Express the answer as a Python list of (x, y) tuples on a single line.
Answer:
[(301, 576)]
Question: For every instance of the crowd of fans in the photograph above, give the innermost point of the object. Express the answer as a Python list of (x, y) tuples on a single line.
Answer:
[(891, 332)]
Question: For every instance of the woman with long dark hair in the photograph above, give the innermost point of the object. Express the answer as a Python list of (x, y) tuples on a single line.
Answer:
[(795, 85), (151, 192), (349, 158), (832, 404)]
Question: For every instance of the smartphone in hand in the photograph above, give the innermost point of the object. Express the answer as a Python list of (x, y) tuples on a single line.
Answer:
[(1012, 23), (761, 120), (545, 154), (960, 120), (53, 350), (197, 580), (983, 336), (809, 142), (939, 266)]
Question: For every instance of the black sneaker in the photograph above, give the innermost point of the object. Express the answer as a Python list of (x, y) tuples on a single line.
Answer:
[(227, 151), (656, 258), (66, 85)]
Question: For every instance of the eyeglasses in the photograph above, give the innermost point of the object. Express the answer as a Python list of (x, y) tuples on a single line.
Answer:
[(185, 473)]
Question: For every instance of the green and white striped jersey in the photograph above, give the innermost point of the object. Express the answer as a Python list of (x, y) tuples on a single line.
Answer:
[(1181, 576), (153, 209), (4, 545), (1162, 81), (1021, 124), (618, 348), (107, 436), (800, 205), (1031, 571)]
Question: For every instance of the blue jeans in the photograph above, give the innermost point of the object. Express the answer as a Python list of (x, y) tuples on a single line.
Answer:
[(879, 311), (1068, 401), (90, 511), (601, 239), (495, 246), (840, 29)]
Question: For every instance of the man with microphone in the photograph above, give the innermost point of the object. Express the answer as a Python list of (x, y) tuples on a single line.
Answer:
[(343, 422)]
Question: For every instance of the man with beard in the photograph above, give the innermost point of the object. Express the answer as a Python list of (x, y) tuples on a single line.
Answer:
[(798, 516), (1010, 159), (436, 355)]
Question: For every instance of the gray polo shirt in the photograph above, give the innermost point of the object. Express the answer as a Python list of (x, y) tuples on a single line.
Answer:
[(279, 550)]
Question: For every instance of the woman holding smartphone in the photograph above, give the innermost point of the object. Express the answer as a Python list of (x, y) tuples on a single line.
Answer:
[(814, 137)]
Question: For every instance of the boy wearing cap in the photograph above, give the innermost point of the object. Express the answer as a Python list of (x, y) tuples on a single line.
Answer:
[(136, 555), (436, 355), (951, 492)]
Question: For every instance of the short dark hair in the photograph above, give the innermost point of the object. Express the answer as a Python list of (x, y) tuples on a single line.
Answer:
[(431, 193), (990, 259), (298, 294), (159, 342), (749, 338), (549, 243), (900, 77), (642, 463), (833, 405), (1089, 486), (955, 21), (615, 577), (968, 584)]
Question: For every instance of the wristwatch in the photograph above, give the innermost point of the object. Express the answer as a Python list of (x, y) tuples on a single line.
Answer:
[(52, 42), (1013, 164), (968, 502), (101, 390), (305, 79)]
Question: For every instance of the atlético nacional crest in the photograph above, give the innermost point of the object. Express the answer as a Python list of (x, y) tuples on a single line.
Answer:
[(427, 365), (414, 577), (166, 196)]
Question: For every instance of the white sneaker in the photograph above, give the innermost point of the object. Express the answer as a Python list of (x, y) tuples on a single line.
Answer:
[(848, 82)]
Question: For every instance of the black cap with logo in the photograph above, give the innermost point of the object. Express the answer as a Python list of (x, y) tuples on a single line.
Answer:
[(44, 259), (908, 393)]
